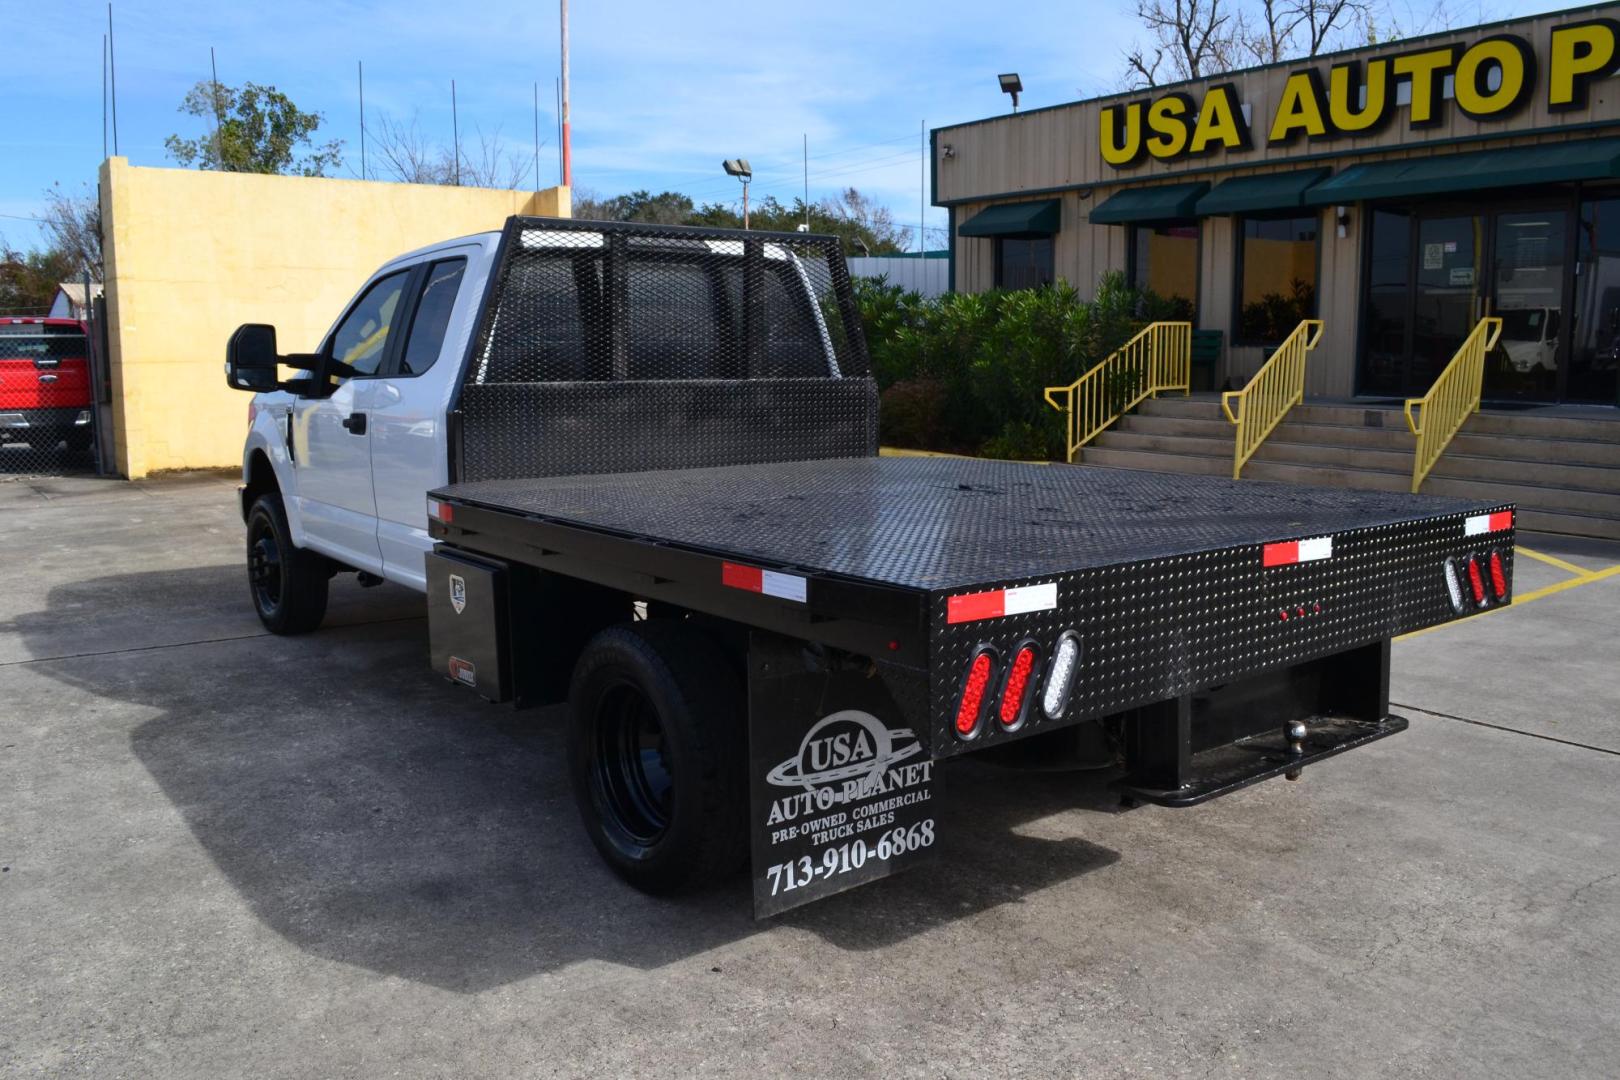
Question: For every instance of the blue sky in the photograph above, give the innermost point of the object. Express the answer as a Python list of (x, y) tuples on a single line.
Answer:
[(661, 91)]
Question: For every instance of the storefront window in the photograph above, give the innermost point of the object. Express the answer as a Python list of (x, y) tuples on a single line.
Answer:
[(1164, 261), (1276, 277), (1594, 360), (1023, 263)]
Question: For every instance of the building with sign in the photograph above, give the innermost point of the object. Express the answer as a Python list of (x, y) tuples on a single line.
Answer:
[(1398, 192)]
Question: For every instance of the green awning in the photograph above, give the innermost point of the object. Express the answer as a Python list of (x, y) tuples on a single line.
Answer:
[(1521, 166), (1249, 194), (1162, 203), (1014, 219)]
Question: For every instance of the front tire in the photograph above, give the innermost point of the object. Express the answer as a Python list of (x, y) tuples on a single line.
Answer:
[(287, 583), (657, 755)]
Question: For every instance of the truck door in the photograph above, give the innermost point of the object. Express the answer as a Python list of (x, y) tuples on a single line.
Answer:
[(332, 435), (407, 413)]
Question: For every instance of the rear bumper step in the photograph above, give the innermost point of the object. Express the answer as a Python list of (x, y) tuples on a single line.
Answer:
[(1221, 770)]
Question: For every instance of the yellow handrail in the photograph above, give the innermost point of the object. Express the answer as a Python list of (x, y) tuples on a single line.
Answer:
[(1451, 400), (1278, 386), (1158, 358)]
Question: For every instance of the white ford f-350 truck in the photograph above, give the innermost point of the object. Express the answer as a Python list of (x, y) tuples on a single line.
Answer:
[(635, 469)]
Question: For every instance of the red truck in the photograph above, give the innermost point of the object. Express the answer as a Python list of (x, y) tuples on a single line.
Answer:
[(45, 383)]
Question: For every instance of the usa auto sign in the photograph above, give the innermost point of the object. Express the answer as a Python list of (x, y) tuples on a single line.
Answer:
[(1491, 78)]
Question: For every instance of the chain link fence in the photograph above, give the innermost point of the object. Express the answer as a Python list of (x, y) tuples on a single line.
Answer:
[(47, 399)]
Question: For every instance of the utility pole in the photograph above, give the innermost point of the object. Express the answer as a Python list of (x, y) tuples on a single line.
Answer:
[(112, 71), (219, 119), (360, 66), (567, 133), (455, 131)]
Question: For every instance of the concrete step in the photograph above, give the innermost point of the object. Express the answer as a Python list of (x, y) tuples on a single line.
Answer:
[(1601, 504), (1569, 524), (1185, 408), (1295, 429), (1603, 425), (1518, 461), (1175, 425)]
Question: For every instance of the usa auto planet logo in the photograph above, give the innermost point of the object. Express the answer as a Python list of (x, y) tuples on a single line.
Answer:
[(845, 757)]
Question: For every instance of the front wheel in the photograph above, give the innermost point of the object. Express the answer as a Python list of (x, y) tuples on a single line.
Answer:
[(287, 583), (657, 755)]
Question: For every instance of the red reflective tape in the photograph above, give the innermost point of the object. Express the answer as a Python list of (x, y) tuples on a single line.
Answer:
[(980, 605), (738, 576), (1501, 520), (1283, 554)]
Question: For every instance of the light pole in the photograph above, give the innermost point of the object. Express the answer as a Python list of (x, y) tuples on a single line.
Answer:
[(1011, 84), (739, 168)]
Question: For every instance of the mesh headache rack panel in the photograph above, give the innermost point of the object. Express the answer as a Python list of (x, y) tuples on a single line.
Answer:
[(595, 301), (611, 347)]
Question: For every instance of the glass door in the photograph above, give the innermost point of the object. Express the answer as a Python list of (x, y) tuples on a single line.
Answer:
[(1445, 295), (1424, 295), (1527, 293)]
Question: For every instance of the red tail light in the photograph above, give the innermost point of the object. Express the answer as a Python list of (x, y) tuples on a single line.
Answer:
[(1011, 709), (1476, 581), (968, 709), (1499, 583)]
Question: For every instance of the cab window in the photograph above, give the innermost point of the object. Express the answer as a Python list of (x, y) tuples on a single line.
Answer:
[(432, 316), (361, 340)]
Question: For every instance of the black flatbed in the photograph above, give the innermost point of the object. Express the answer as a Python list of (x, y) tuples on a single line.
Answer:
[(942, 523)]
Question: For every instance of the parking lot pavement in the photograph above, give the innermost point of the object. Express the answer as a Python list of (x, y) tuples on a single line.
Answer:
[(228, 854)]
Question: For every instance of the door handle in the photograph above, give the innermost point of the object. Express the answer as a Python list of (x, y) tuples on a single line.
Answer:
[(356, 423)]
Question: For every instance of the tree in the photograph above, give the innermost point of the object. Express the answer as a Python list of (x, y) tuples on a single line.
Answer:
[(73, 227), (665, 208), (1199, 38), (857, 220), (410, 156), (28, 280), (256, 129)]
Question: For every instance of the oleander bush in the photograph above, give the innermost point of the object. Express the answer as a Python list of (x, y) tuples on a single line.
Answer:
[(967, 372)]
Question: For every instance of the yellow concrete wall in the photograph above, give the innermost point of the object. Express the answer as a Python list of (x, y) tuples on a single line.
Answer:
[(192, 255)]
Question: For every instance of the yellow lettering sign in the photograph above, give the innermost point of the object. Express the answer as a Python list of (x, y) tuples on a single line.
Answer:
[(1300, 111), (1121, 131), (1220, 122), (1426, 71), (1345, 87), (1167, 119), (1581, 53), (1505, 54)]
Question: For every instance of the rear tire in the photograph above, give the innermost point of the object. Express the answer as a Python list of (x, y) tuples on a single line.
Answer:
[(287, 583), (658, 755)]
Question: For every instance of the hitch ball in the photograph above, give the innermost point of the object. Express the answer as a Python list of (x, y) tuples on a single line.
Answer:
[(1295, 731)]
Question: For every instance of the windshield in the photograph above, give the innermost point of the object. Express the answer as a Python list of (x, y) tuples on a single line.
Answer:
[(1525, 324)]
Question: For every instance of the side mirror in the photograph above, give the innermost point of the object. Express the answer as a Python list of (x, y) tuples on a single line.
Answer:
[(251, 358)]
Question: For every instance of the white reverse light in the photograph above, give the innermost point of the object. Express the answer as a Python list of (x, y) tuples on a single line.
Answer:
[(1060, 678), (1454, 586)]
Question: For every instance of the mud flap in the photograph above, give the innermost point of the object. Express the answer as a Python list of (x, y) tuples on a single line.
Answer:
[(841, 790)]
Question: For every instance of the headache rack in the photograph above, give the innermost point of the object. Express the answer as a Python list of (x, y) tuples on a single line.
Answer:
[(613, 347)]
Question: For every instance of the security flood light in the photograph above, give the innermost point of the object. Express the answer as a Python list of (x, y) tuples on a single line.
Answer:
[(1012, 84), (740, 168)]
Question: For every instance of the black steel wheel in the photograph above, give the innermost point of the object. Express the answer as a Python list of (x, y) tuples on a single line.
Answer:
[(656, 754), (287, 584)]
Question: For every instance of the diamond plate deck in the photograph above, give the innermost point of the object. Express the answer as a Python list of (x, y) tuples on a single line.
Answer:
[(945, 523)]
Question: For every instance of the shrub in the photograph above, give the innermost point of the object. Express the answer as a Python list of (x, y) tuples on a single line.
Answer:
[(911, 413), (968, 371)]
